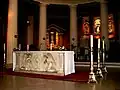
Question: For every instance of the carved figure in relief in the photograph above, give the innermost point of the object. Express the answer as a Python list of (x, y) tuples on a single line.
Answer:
[(86, 27), (97, 26), (29, 62), (49, 62), (110, 26)]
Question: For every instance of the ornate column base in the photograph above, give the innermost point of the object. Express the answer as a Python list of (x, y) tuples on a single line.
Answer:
[(92, 78)]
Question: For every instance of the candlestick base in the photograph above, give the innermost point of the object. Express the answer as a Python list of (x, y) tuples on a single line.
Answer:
[(104, 69), (99, 73), (92, 78)]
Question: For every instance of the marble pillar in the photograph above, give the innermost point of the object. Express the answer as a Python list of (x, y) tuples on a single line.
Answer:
[(12, 29), (104, 22), (73, 26), (30, 30), (42, 27)]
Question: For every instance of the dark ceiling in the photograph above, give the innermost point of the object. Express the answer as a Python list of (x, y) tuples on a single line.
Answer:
[(59, 13)]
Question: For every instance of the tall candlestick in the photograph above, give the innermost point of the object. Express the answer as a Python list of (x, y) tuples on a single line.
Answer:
[(99, 72), (91, 74), (91, 43), (103, 66)]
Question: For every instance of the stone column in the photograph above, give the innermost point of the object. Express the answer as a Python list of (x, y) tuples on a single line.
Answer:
[(12, 29), (104, 22), (42, 27), (30, 30), (73, 25)]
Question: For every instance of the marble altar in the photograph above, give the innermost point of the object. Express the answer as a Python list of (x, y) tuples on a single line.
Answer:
[(57, 62)]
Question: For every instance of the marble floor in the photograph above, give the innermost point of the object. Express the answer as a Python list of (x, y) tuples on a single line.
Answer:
[(111, 81)]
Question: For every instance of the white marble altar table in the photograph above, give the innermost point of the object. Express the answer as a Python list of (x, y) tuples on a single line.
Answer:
[(44, 62)]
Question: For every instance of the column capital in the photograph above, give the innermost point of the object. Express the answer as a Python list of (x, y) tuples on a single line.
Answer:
[(72, 5), (44, 4), (41, 2), (103, 1)]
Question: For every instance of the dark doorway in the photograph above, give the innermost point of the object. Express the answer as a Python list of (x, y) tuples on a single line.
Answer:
[(3, 29), (1, 45)]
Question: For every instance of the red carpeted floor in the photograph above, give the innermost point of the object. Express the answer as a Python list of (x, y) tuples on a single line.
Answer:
[(75, 77)]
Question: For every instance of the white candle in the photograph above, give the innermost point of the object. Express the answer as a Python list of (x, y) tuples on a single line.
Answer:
[(27, 47), (91, 40), (19, 46), (103, 44), (51, 46), (99, 43), (4, 52), (4, 47)]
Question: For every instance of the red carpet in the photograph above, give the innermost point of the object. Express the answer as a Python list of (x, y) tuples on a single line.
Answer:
[(75, 77)]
